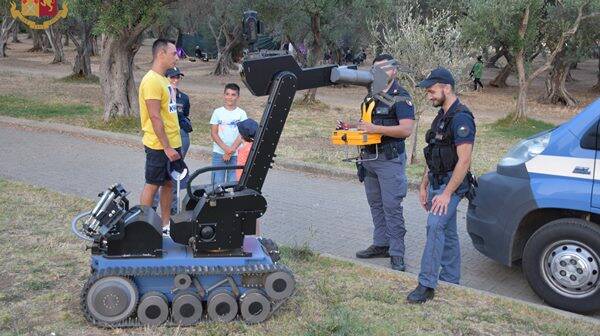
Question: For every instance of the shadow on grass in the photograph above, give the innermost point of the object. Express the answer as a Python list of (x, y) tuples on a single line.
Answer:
[(118, 124), (75, 78)]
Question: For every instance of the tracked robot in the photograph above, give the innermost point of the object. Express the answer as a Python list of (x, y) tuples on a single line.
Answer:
[(209, 266)]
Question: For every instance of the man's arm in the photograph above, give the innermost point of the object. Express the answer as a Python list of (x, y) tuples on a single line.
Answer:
[(158, 126), (462, 167), (423, 188), (403, 130), (214, 133), (440, 202)]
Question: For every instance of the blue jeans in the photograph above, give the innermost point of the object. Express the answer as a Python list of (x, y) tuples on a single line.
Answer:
[(442, 248), (185, 142), (223, 176), (386, 185)]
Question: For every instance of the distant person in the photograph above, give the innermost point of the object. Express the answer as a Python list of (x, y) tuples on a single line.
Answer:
[(181, 53), (476, 73), (360, 58), (348, 56), (198, 52), (160, 126), (185, 125), (224, 132), (327, 57)]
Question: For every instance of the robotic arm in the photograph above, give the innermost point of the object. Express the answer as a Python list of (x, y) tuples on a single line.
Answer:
[(219, 220)]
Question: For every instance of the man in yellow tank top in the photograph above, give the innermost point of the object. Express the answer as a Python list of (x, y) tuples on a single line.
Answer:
[(160, 125)]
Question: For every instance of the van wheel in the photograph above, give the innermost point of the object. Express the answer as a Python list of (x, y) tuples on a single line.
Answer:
[(561, 263)]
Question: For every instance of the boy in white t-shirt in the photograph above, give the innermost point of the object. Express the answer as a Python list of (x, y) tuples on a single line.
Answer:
[(224, 132)]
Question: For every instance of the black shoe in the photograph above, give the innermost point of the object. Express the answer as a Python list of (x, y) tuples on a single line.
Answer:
[(374, 252), (420, 294), (397, 264)]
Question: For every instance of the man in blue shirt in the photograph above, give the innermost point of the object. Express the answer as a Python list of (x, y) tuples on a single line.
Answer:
[(445, 182), (385, 177)]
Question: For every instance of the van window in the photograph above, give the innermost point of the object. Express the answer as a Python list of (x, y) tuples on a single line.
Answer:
[(591, 140)]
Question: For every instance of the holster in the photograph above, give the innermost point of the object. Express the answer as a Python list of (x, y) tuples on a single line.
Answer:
[(360, 172), (471, 193)]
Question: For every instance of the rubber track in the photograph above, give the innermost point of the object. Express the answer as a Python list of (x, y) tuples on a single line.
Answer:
[(132, 272)]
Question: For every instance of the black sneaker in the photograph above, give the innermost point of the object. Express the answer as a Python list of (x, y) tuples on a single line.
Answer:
[(397, 263), (374, 251), (421, 294)]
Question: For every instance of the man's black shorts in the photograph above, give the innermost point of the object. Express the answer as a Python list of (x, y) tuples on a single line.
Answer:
[(156, 166)]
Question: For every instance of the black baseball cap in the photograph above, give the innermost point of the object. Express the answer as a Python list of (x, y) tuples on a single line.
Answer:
[(438, 75), (248, 128), (176, 169), (173, 72)]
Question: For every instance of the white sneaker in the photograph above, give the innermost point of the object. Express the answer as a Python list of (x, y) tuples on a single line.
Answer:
[(166, 230)]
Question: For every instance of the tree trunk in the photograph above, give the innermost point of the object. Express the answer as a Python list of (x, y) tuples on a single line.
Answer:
[(556, 92), (46, 46), (225, 58), (413, 158), (524, 83), (94, 49), (116, 75), (315, 55), (55, 39), (15, 34), (66, 36), (224, 62), (5, 29), (491, 62), (500, 79), (37, 40), (596, 88), (82, 64), (520, 60)]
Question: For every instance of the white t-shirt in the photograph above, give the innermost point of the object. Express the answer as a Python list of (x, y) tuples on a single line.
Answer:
[(227, 121)]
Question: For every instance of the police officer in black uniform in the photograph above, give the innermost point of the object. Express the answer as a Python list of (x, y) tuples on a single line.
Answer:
[(446, 181), (385, 167)]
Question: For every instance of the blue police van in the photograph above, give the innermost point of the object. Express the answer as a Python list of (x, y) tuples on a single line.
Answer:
[(541, 208)]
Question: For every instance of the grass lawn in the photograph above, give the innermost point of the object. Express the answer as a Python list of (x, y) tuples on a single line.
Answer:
[(44, 267), (305, 136)]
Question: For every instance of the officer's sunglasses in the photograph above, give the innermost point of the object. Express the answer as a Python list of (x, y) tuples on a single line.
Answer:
[(178, 76)]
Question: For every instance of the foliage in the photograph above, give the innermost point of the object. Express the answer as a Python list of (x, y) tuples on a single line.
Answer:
[(422, 44), (118, 16)]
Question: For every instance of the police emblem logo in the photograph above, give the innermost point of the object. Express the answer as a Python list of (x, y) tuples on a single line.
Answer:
[(39, 14), (463, 131)]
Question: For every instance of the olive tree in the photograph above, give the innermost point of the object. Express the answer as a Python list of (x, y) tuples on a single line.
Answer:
[(6, 26), (122, 24), (420, 45), (529, 24)]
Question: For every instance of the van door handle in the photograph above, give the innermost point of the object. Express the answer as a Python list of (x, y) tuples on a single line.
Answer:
[(582, 170)]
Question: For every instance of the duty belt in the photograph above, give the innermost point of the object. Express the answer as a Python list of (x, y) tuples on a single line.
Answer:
[(389, 149)]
